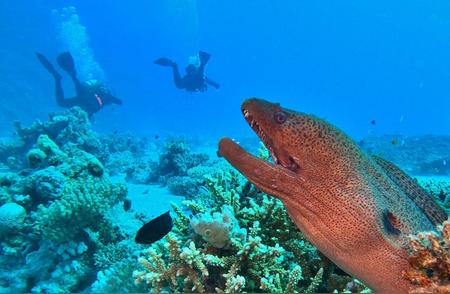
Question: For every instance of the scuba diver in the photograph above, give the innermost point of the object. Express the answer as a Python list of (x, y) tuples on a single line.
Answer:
[(194, 80), (91, 96)]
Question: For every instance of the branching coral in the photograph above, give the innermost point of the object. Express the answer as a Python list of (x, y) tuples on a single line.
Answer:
[(83, 194), (203, 253), (81, 203)]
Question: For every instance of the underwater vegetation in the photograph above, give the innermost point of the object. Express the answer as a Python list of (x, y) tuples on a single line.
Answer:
[(67, 221)]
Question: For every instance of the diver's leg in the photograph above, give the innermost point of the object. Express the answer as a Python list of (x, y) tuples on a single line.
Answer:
[(177, 77), (204, 58), (78, 86), (47, 65), (59, 93)]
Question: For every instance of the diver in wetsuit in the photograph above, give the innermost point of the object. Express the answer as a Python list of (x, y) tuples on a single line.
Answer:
[(91, 96), (194, 80)]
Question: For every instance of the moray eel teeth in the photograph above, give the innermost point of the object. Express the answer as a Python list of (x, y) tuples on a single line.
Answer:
[(358, 210), (285, 161)]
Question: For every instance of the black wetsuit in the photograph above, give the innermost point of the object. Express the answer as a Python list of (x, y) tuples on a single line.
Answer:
[(88, 98), (194, 79)]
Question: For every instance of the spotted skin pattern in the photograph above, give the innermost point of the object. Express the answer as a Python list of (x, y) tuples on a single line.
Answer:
[(344, 202)]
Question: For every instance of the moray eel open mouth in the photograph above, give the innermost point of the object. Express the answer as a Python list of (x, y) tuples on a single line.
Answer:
[(279, 155)]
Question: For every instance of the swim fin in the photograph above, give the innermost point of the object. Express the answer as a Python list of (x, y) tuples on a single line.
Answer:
[(65, 61), (204, 57), (48, 66), (164, 62)]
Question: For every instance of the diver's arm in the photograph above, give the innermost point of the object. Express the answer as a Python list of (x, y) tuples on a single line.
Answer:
[(212, 83)]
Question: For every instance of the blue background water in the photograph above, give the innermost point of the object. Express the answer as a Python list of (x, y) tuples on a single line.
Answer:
[(348, 61)]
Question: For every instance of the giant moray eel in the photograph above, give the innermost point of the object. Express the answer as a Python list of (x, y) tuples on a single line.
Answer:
[(358, 210)]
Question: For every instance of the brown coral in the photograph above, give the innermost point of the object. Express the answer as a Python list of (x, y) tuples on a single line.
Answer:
[(430, 261)]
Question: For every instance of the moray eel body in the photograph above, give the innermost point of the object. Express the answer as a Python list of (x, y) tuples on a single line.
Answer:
[(356, 209)]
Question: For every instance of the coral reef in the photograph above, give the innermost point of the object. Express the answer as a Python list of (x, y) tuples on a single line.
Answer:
[(424, 155), (237, 239), (55, 233), (12, 216), (439, 188), (430, 259), (70, 126), (67, 226), (175, 160)]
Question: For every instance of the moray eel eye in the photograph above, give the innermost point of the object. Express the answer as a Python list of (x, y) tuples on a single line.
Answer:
[(280, 117)]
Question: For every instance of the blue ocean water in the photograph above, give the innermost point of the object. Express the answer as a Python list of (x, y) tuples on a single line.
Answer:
[(79, 188), (350, 62)]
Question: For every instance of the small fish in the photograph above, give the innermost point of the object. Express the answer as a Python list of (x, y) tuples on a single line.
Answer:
[(115, 132), (127, 204), (218, 154), (156, 137), (373, 122), (155, 229), (394, 142)]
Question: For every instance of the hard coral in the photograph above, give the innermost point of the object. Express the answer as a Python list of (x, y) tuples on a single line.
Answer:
[(219, 228), (176, 159), (430, 259), (71, 126), (274, 257), (11, 217)]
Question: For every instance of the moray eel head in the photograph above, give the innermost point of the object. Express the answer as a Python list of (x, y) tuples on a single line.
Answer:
[(300, 145), (356, 209)]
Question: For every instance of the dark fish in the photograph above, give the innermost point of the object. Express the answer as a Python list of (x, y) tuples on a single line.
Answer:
[(373, 122), (155, 229), (394, 142), (156, 137), (218, 154), (115, 132), (127, 204)]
